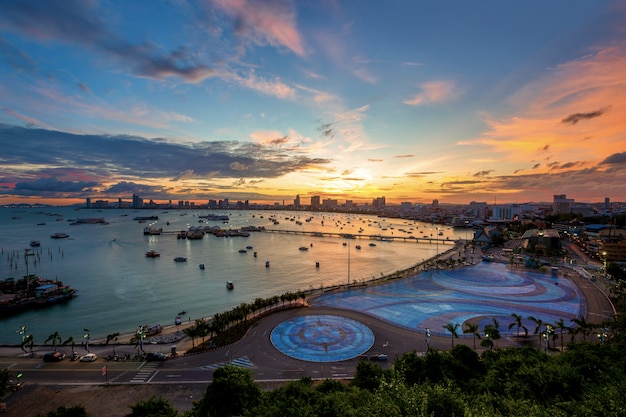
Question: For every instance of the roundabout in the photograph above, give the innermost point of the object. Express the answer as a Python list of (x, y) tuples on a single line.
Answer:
[(322, 338)]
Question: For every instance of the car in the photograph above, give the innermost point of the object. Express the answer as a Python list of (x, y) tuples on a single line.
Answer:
[(53, 357), (156, 356), (90, 357)]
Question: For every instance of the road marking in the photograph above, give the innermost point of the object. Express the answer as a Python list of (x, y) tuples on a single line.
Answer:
[(242, 362)]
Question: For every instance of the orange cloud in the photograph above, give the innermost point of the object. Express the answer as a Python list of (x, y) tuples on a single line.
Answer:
[(573, 113), (265, 22)]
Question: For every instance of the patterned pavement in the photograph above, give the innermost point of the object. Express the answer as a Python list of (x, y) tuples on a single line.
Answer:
[(322, 338), (479, 293)]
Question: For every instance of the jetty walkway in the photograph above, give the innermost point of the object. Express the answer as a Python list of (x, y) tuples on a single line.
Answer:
[(358, 236)]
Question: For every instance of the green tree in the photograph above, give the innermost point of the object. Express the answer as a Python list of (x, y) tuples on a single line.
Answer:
[(560, 324), (75, 411), (5, 377), (538, 324), (453, 328), (474, 330), (153, 407), (368, 375), (54, 337), (232, 391), (518, 322)]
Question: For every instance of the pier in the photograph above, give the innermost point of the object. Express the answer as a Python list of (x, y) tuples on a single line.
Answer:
[(359, 236)]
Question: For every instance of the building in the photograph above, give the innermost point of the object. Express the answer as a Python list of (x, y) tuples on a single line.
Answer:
[(562, 204), (316, 202), (543, 242)]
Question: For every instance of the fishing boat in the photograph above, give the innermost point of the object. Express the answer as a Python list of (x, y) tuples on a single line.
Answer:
[(180, 259), (152, 254), (32, 292), (34, 243), (59, 235)]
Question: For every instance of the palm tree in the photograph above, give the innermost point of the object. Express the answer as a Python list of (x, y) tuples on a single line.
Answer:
[(192, 332), (53, 337), (583, 327), (112, 336), (474, 330), (518, 323), (69, 341), (453, 329), (494, 330), (560, 324), (539, 324)]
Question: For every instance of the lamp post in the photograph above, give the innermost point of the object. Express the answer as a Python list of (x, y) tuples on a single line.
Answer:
[(437, 243), (22, 332), (604, 256), (427, 337), (86, 336), (602, 335)]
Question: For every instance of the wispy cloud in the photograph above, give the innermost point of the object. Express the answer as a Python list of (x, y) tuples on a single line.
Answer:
[(435, 92), (576, 117), (271, 22)]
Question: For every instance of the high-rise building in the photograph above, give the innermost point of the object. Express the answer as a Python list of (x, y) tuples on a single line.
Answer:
[(562, 204), (315, 202), (296, 202)]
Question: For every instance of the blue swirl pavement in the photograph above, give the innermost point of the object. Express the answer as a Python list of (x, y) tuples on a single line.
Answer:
[(322, 338), (478, 293)]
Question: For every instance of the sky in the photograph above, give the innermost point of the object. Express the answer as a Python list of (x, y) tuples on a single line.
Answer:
[(263, 100)]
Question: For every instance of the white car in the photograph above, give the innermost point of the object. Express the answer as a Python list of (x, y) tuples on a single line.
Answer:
[(90, 357)]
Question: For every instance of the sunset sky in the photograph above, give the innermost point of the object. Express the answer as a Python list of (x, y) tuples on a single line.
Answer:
[(261, 100)]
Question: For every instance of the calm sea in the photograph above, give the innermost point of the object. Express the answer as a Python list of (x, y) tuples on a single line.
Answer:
[(120, 288)]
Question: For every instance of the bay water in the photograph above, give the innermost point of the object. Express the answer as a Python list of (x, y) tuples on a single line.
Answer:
[(120, 288)]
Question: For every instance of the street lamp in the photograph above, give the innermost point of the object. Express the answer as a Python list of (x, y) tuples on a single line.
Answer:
[(427, 338), (86, 337), (602, 335), (22, 332)]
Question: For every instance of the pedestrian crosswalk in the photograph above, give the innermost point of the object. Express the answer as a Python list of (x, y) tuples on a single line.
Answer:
[(145, 373), (242, 362)]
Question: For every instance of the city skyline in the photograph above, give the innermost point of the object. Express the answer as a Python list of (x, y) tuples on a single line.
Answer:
[(262, 101)]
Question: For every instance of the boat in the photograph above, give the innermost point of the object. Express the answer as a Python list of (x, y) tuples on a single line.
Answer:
[(242, 251), (180, 259), (152, 254), (230, 285), (267, 264), (303, 248), (178, 321), (152, 230), (144, 218), (372, 244), (215, 217), (358, 246), (35, 243), (59, 235), (201, 266), (32, 292)]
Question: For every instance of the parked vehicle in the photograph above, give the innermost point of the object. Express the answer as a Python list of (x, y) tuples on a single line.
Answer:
[(53, 356), (90, 357), (156, 356)]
